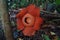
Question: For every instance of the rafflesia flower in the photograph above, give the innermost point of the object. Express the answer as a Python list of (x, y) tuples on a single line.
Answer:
[(29, 20)]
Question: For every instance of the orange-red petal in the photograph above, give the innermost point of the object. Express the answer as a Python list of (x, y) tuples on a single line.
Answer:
[(38, 23), (20, 25), (30, 7), (35, 12), (21, 13), (28, 31)]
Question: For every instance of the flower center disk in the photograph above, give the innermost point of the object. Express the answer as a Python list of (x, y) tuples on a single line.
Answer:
[(28, 20)]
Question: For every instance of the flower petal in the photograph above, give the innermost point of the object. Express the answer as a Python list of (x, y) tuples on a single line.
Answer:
[(21, 13), (35, 12), (20, 25), (30, 7), (28, 31), (38, 23)]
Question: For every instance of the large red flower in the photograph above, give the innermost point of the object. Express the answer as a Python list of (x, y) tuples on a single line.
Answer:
[(29, 20)]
